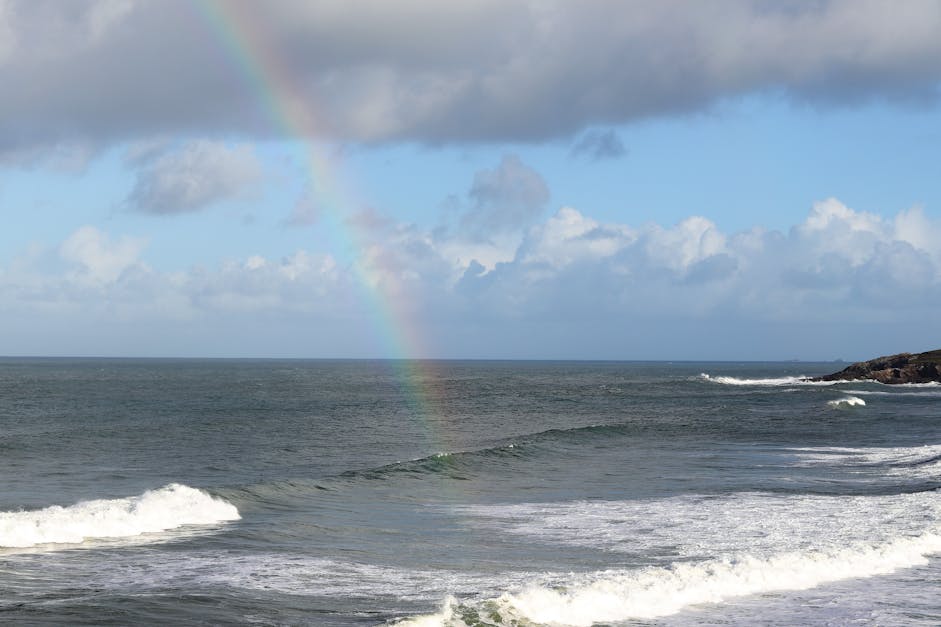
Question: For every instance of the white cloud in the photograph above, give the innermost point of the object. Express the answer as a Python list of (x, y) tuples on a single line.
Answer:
[(572, 281), (683, 245), (197, 175), (96, 258), (914, 227), (842, 231), (488, 225), (568, 236), (460, 253)]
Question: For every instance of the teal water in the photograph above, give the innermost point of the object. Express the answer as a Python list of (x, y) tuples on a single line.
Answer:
[(523, 493)]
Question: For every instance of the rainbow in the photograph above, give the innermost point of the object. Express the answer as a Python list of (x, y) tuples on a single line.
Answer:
[(256, 60)]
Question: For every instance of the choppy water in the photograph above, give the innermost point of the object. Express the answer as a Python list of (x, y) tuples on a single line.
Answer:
[(507, 493)]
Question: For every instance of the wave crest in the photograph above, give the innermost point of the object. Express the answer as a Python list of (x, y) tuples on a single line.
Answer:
[(846, 402), (611, 596), (771, 381), (167, 508)]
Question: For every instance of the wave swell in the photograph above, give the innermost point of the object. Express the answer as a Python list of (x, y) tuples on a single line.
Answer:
[(453, 465), (458, 465), (462, 464), (166, 508)]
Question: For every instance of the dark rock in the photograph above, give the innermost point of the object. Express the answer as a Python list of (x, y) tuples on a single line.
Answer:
[(901, 368)]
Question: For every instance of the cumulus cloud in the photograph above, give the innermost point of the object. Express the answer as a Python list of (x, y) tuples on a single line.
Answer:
[(440, 72), (488, 224), (98, 259), (573, 284), (197, 175), (569, 236)]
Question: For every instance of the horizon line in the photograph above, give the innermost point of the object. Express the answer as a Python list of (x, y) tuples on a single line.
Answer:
[(415, 359)]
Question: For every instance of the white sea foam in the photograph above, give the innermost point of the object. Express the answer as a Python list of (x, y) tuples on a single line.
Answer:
[(289, 573), (653, 592), (846, 401), (616, 595), (926, 384), (439, 619), (293, 574), (803, 380), (164, 509), (720, 548), (696, 527), (870, 455), (909, 461), (927, 393), (772, 381)]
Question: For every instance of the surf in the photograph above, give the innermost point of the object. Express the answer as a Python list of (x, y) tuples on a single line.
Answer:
[(648, 593), (164, 509), (768, 381), (846, 402)]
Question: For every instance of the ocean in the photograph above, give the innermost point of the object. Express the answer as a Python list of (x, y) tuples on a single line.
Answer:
[(272, 492)]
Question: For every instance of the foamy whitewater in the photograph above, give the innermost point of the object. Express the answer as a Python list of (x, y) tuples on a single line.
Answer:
[(157, 510), (846, 401), (531, 493)]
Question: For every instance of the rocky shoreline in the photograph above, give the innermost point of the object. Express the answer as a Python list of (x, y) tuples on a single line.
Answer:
[(892, 369)]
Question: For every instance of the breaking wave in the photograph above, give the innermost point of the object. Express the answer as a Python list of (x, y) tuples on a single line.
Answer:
[(772, 381), (804, 380), (732, 546), (166, 508), (846, 402), (618, 595)]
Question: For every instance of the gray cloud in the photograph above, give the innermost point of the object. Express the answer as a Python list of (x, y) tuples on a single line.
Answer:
[(71, 157), (597, 145), (197, 175), (101, 71), (305, 212), (508, 197)]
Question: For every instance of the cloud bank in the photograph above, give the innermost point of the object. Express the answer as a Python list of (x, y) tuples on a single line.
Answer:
[(435, 72), (571, 282)]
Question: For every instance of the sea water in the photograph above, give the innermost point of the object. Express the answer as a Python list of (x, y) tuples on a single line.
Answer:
[(465, 493)]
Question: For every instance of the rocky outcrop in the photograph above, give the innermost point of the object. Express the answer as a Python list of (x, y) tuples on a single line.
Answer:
[(901, 368)]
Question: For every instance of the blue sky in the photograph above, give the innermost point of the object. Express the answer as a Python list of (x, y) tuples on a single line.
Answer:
[(603, 180)]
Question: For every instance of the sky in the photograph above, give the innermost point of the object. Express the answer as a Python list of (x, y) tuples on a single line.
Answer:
[(481, 179)]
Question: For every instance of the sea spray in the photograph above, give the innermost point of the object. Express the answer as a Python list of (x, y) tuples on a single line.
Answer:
[(169, 507), (846, 402)]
